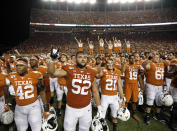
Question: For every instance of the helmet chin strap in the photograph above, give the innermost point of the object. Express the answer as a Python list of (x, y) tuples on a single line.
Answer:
[(80, 66)]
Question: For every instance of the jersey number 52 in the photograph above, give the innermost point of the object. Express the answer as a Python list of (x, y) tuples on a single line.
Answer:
[(78, 89)]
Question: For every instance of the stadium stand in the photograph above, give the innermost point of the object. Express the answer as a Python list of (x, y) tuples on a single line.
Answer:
[(119, 17), (41, 42)]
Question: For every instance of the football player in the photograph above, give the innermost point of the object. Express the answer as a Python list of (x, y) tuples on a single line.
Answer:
[(11, 64), (73, 59), (132, 77), (80, 81), (62, 84), (34, 66), (2, 85), (110, 85), (27, 85), (54, 85), (173, 75), (169, 68), (154, 71)]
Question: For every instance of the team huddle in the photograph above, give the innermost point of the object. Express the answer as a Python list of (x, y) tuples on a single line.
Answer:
[(113, 80)]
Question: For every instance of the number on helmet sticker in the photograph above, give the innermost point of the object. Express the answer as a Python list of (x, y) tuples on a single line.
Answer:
[(78, 89), (25, 95), (109, 83)]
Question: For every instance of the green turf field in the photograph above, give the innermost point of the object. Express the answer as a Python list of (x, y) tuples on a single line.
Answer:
[(130, 125)]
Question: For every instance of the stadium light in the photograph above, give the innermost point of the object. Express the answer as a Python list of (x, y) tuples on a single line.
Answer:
[(53, 0), (123, 1), (70, 1), (85, 1), (139, 0), (147, 0), (109, 1), (62, 0), (92, 1), (116, 1), (131, 1), (77, 1)]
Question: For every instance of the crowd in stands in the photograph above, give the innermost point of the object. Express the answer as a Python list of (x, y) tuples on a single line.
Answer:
[(140, 42), (114, 17)]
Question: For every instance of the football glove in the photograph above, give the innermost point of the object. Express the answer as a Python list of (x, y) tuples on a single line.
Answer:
[(54, 53)]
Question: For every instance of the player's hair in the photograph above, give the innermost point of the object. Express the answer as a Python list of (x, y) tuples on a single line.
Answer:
[(98, 58), (59, 58), (72, 55), (130, 56), (37, 57), (64, 55), (80, 52), (23, 59)]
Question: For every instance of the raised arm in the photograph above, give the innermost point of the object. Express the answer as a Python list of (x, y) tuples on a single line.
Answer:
[(76, 39), (16, 51), (88, 41), (113, 38), (106, 41), (146, 65), (100, 72), (123, 66), (56, 72)]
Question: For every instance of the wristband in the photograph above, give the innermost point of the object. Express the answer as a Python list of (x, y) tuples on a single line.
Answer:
[(46, 107), (123, 99), (99, 108)]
